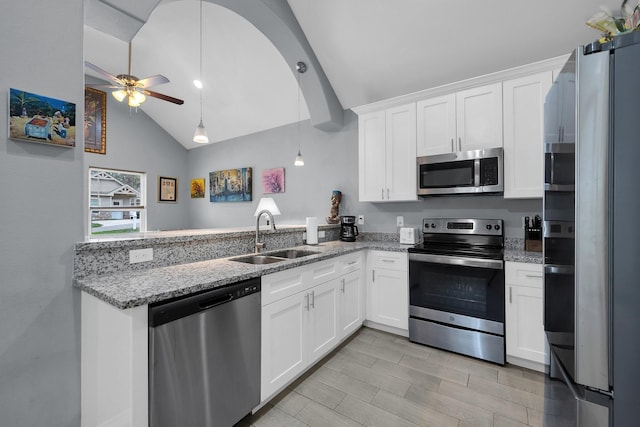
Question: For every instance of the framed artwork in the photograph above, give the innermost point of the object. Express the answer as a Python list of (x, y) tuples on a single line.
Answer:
[(167, 189), (37, 118), (273, 181), (197, 188), (95, 121), (231, 185)]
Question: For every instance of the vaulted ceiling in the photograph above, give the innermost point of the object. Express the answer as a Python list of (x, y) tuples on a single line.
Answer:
[(369, 50)]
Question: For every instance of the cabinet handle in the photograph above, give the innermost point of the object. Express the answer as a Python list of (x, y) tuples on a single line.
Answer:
[(459, 143), (533, 276), (387, 194), (343, 286), (510, 294), (387, 260), (313, 299), (352, 262), (306, 304), (373, 275), (382, 193), (453, 147)]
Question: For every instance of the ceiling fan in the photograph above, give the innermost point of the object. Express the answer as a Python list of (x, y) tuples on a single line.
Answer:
[(130, 87)]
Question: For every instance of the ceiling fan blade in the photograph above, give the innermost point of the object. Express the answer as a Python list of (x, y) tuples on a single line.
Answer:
[(163, 97), (103, 86), (158, 79), (103, 72)]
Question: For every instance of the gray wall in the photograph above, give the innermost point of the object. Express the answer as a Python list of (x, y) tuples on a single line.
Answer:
[(41, 217), (136, 143), (331, 162)]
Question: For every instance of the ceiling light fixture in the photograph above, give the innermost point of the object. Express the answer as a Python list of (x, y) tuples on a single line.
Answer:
[(200, 135), (301, 67)]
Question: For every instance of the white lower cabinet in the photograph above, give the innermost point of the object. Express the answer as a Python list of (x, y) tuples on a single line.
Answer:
[(351, 303), (299, 329), (524, 307), (387, 289)]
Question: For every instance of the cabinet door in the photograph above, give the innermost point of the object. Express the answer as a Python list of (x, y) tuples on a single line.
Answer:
[(323, 331), (389, 298), (479, 117), (371, 156), (401, 177), (284, 342), (524, 308), (523, 134), (351, 291), (436, 126)]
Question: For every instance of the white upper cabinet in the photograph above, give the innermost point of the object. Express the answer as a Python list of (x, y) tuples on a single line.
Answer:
[(436, 125), (466, 120), (387, 155), (524, 100)]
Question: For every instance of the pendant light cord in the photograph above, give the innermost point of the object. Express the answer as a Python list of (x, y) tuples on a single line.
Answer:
[(200, 77)]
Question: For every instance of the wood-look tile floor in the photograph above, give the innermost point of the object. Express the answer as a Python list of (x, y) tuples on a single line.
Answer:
[(380, 379)]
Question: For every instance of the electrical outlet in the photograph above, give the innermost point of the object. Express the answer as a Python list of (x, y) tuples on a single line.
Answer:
[(360, 219), (140, 255), (400, 221)]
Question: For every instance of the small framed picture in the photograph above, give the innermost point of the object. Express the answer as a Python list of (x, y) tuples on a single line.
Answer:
[(167, 189), (95, 121), (197, 188)]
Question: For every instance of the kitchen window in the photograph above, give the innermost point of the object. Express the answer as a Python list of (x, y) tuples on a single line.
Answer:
[(116, 202)]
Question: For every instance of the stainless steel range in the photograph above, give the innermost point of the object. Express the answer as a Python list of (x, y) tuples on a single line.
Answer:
[(456, 287)]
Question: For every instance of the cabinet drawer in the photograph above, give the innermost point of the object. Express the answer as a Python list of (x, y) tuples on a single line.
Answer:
[(320, 272), (389, 260), (349, 263), (524, 274), (282, 284)]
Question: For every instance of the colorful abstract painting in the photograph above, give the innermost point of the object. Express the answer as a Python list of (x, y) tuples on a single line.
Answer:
[(197, 188), (231, 185), (273, 181)]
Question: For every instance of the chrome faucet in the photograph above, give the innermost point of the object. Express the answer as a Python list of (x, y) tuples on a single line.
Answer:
[(259, 245)]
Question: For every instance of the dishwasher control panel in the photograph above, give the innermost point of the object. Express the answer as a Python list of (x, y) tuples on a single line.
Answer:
[(175, 308)]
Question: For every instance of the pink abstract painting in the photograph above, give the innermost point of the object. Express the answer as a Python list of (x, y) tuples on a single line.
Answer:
[(273, 181)]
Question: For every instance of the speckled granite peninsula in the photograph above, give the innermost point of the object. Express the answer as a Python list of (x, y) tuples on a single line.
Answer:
[(185, 262)]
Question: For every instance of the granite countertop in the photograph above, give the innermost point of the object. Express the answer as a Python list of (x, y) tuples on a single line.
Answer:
[(516, 255), (130, 289)]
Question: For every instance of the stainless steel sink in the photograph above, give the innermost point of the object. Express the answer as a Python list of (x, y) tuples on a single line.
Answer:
[(272, 257), (292, 253), (258, 259)]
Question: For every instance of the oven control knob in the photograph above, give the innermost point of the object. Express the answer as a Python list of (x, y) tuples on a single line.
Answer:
[(496, 227), (488, 226), (433, 225)]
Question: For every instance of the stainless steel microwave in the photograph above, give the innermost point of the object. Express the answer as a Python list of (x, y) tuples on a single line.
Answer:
[(465, 172)]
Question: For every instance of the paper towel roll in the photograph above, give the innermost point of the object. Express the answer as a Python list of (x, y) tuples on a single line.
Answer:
[(312, 230)]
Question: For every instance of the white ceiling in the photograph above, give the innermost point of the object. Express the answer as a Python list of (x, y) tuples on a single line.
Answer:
[(369, 49)]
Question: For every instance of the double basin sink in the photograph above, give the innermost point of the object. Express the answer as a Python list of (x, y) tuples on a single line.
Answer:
[(273, 257)]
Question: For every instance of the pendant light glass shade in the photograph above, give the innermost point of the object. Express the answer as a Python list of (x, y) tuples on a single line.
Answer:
[(299, 160), (200, 135)]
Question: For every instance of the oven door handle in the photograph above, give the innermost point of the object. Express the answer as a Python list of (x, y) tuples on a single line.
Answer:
[(493, 264)]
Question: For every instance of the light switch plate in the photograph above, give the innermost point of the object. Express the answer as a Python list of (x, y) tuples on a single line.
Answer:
[(140, 255), (360, 219), (399, 221)]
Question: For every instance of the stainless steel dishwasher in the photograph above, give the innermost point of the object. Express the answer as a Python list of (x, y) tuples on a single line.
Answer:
[(204, 357)]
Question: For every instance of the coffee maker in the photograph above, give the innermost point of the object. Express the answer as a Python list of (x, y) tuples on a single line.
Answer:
[(348, 228)]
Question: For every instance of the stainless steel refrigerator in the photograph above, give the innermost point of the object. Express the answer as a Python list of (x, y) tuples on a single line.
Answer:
[(591, 233)]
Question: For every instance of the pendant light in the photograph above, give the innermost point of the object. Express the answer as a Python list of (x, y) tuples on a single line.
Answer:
[(200, 135), (301, 67)]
